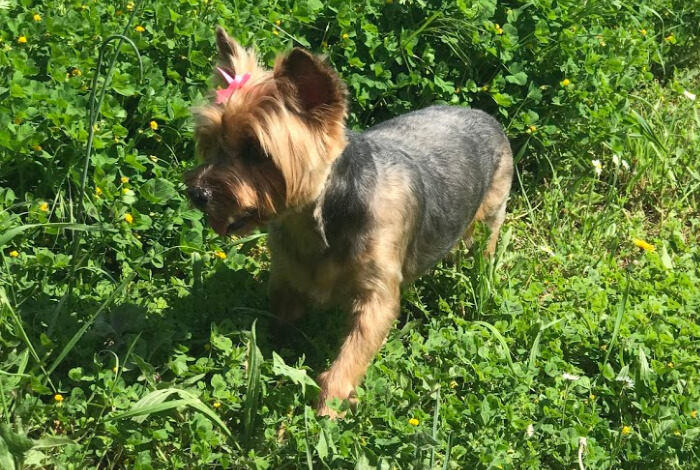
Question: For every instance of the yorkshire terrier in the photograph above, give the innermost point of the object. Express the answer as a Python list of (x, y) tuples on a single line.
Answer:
[(351, 216)]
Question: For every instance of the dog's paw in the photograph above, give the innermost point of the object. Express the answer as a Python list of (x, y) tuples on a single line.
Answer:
[(333, 387)]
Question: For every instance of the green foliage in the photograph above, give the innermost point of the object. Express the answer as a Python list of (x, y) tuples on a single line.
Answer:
[(132, 337)]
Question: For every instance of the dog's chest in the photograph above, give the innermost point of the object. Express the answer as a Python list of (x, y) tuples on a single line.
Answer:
[(300, 256)]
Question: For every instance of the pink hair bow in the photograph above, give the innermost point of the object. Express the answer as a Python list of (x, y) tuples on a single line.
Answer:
[(233, 85)]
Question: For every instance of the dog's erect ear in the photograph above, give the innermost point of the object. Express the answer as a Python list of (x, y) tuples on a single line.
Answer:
[(312, 82), (230, 52)]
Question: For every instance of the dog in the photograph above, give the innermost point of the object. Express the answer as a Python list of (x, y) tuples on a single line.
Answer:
[(351, 216)]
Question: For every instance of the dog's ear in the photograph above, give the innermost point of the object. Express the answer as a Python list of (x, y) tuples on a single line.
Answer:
[(230, 53), (311, 83)]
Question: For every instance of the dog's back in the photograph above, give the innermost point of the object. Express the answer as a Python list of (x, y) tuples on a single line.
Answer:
[(443, 160)]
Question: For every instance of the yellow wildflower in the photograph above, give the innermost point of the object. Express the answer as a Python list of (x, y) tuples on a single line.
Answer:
[(671, 365), (220, 254), (140, 29), (413, 422), (115, 369), (345, 36), (125, 179), (130, 6), (217, 404), (37, 17), (669, 38), (58, 397), (128, 218), (44, 207), (22, 39), (37, 148), (458, 90), (566, 82), (498, 28), (643, 245), (485, 88), (14, 254), (154, 125), (275, 32), (694, 414), (98, 191), (278, 22), (626, 430), (676, 432), (76, 72), (453, 384), (153, 158), (532, 129), (126, 190), (643, 32)]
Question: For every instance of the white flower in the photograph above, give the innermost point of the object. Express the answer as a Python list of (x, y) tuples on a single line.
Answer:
[(616, 160), (625, 165), (547, 250), (627, 382), (689, 95), (598, 167), (530, 431), (572, 377)]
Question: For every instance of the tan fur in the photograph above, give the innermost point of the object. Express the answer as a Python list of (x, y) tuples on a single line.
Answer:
[(492, 210)]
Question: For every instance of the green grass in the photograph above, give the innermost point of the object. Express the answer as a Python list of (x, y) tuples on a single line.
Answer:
[(156, 335)]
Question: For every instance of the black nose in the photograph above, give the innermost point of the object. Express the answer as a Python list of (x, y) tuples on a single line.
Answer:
[(199, 196)]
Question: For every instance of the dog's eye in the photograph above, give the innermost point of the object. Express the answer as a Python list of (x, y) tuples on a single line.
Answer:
[(251, 153)]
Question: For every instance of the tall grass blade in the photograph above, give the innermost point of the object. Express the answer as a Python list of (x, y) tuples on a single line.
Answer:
[(618, 320), (250, 407), (79, 334), (436, 422), (500, 339)]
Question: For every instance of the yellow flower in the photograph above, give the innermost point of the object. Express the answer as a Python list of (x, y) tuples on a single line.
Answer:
[(126, 190), (676, 432), (76, 72), (643, 32), (125, 179), (458, 90), (128, 218), (485, 88), (44, 207), (154, 125), (22, 39), (453, 384), (14, 254), (130, 6), (278, 22), (626, 430), (37, 17), (566, 82), (217, 404), (153, 158), (115, 369), (37, 148), (140, 29), (643, 245), (58, 397), (220, 254), (413, 422), (694, 414), (498, 28), (98, 191), (345, 36), (671, 365), (275, 32), (532, 129), (669, 38)]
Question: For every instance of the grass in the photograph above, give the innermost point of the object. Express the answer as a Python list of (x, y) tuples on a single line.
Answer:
[(573, 348)]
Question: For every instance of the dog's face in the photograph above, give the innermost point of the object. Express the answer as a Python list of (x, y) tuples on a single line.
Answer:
[(268, 146)]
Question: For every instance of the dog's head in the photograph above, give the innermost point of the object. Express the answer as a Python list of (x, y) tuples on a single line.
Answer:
[(268, 139)]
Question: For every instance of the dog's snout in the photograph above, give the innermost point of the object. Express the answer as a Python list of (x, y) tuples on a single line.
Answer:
[(199, 196)]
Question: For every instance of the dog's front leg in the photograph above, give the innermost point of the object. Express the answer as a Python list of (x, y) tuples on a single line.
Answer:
[(373, 313), (287, 305)]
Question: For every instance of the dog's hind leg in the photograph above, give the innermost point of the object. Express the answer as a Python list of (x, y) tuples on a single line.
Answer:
[(492, 210)]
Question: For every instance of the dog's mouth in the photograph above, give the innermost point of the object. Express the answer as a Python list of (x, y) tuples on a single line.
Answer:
[(232, 225)]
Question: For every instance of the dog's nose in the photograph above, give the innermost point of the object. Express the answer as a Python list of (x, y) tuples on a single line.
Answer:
[(199, 196)]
